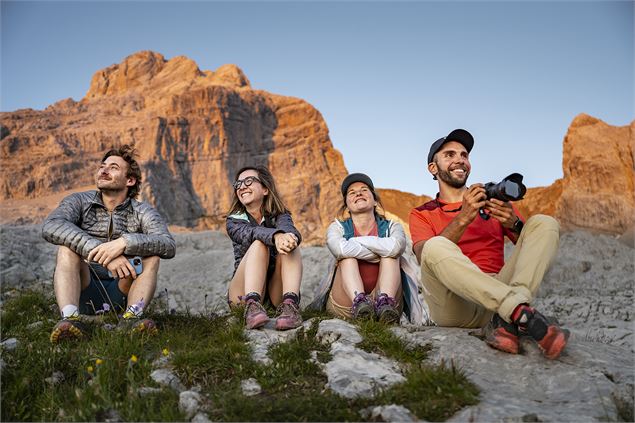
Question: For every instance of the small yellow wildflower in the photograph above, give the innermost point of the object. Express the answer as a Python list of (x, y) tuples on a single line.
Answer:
[(99, 361), (90, 369), (133, 358), (165, 352)]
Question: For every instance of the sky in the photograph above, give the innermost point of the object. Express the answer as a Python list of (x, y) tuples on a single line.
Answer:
[(388, 77)]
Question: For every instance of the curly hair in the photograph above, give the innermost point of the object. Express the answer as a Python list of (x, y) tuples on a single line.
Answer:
[(128, 153)]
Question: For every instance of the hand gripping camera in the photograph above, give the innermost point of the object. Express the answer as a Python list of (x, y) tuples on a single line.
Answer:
[(511, 188)]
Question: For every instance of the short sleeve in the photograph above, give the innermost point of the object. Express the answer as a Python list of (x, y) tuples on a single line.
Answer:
[(420, 227)]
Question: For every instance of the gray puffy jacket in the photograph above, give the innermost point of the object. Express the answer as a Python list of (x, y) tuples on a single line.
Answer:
[(81, 222)]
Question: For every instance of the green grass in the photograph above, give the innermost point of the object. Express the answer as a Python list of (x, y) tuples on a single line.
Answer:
[(210, 352)]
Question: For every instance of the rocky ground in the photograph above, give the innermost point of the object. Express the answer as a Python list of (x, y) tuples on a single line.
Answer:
[(589, 289)]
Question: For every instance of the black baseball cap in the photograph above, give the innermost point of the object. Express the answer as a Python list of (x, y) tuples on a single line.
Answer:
[(459, 135), (356, 177)]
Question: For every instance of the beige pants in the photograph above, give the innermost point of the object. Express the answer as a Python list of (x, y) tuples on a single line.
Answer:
[(459, 294)]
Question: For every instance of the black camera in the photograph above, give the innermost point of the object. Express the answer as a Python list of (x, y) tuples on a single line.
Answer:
[(509, 189)]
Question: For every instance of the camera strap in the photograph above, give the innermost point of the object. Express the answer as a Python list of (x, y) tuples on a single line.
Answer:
[(103, 288)]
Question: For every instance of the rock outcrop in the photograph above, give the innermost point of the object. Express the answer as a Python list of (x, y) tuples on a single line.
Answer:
[(193, 130), (597, 191), (400, 203)]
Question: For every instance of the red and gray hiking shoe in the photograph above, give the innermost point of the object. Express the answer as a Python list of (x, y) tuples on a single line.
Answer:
[(288, 315), (137, 325), (69, 328), (501, 335), (386, 309), (363, 307), (255, 315), (551, 338)]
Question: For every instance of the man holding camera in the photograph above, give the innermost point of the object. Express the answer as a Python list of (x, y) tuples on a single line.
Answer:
[(109, 249), (458, 239)]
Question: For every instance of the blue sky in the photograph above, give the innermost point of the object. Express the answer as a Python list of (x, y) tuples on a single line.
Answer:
[(388, 77)]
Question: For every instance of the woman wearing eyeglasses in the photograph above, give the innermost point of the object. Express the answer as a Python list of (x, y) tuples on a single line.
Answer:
[(267, 258), (367, 279)]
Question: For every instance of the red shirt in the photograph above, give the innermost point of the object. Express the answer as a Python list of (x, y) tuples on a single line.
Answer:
[(367, 270), (482, 242)]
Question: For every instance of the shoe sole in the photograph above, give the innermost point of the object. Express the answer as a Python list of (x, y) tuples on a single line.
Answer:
[(258, 322), (66, 333), (554, 342), (389, 317), (365, 312), (284, 324), (502, 341)]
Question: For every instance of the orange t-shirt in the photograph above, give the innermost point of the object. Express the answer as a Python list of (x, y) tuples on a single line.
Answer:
[(367, 270), (482, 242)]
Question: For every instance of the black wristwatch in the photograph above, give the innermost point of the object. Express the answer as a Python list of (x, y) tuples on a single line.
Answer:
[(518, 226)]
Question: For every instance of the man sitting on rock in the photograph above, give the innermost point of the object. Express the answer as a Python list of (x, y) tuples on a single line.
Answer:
[(465, 279), (102, 236)]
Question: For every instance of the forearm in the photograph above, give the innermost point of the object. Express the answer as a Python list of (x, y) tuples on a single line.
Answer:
[(455, 230)]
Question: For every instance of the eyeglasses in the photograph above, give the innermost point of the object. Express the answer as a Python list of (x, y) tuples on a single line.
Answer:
[(247, 182)]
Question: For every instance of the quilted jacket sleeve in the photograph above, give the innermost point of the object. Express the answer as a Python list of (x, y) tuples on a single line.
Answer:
[(61, 226), (285, 224), (242, 231), (155, 238)]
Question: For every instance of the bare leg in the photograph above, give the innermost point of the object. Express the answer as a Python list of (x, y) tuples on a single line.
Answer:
[(389, 279), (251, 273), (71, 277), (142, 289), (287, 276), (347, 283)]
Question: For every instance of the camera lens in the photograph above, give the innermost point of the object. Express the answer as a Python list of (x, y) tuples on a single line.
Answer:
[(512, 189), (136, 262)]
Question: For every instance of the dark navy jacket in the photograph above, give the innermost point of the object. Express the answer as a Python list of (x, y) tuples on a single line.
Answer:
[(243, 230)]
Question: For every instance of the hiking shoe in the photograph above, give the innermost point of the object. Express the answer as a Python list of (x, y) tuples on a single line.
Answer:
[(363, 307), (138, 325), (255, 315), (68, 328), (386, 309), (288, 315), (551, 338), (501, 335)]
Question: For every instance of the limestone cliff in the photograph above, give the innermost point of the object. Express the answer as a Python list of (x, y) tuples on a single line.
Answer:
[(597, 191), (193, 129)]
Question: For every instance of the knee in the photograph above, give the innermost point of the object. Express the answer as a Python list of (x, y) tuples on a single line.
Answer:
[(389, 262), (435, 249), (347, 263), (542, 222), (258, 246), (66, 255), (296, 254), (151, 263)]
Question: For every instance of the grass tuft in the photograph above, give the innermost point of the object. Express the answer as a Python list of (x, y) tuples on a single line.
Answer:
[(102, 375)]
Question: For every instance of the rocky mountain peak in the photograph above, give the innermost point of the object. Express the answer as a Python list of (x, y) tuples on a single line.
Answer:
[(151, 74)]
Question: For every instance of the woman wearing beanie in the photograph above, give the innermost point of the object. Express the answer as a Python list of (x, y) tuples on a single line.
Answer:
[(366, 280), (267, 259)]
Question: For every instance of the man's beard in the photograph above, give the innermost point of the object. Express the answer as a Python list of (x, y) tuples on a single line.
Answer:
[(447, 177)]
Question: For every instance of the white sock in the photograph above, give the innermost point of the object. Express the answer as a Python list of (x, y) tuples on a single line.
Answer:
[(69, 311), (135, 309)]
